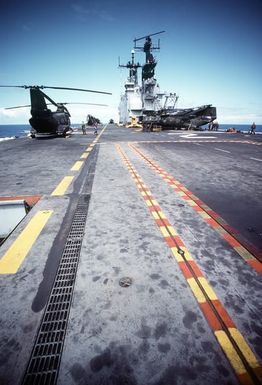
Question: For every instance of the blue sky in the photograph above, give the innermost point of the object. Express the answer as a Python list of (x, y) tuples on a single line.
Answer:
[(210, 53)]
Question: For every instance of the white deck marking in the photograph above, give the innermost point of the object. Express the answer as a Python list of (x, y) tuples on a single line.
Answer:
[(188, 136), (195, 136), (220, 149), (259, 160)]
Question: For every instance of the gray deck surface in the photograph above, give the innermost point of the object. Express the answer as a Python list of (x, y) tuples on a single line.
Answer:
[(152, 332)]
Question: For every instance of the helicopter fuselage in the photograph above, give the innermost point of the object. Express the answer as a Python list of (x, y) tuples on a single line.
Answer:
[(44, 122), (47, 123)]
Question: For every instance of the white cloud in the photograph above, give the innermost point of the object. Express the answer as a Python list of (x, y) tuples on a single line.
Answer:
[(78, 8), (26, 27), (79, 113), (84, 14), (239, 115), (14, 116)]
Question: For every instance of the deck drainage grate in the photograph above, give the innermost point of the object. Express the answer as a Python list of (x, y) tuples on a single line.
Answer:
[(45, 359)]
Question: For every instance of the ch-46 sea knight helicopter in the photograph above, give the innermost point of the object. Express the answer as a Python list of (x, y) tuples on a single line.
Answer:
[(44, 122)]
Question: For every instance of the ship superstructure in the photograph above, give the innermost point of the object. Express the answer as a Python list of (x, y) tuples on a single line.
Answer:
[(147, 105), (131, 101), (150, 91)]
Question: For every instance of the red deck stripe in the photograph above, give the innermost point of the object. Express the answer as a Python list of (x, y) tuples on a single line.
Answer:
[(178, 240), (223, 314), (146, 197), (170, 242), (154, 208), (185, 270), (210, 316), (163, 222), (255, 264), (232, 241), (212, 222), (213, 214), (197, 208), (195, 268)]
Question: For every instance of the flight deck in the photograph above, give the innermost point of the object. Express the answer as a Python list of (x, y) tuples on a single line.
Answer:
[(139, 263)]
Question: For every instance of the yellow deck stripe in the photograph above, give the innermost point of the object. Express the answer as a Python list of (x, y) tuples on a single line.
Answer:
[(164, 231), (154, 213), (230, 352), (207, 288), (84, 155), (191, 202), (204, 214), (187, 255), (16, 254), (63, 185), (78, 164), (175, 253), (154, 202), (179, 257), (172, 231), (245, 349), (196, 290)]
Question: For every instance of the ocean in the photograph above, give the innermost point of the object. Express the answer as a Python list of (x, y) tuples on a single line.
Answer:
[(240, 127), (12, 131)]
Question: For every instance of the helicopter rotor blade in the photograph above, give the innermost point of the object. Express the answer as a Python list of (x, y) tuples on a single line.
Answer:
[(77, 89), (92, 104), (12, 108), (60, 88), (29, 105), (14, 86)]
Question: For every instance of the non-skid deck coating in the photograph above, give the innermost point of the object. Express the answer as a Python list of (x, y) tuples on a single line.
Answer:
[(192, 314)]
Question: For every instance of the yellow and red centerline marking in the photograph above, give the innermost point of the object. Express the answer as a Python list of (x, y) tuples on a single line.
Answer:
[(236, 349), (210, 216)]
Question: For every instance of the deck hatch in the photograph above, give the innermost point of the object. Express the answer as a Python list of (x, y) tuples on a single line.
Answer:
[(12, 212), (46, 355)]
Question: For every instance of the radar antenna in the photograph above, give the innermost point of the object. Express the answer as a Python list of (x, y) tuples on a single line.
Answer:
[(148, 43), (150, 63)]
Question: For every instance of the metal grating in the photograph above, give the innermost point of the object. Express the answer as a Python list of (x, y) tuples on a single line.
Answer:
[(45, 359)]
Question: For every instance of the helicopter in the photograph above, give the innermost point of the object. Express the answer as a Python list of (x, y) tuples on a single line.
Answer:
[(44, 122)]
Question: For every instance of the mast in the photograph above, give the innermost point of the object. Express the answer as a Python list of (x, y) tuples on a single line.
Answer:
[(148, 70), (132, 66)]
